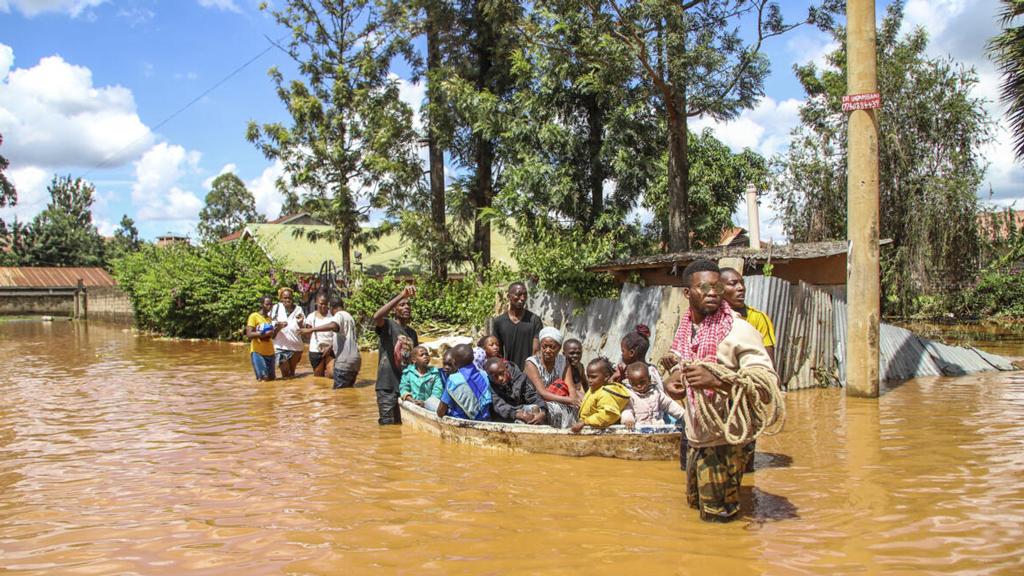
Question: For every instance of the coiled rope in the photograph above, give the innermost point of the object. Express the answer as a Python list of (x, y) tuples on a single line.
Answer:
[(749, 416)]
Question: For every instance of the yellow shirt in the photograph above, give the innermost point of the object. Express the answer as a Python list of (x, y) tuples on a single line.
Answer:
[(763, 323), (261, 347), (603, 408)]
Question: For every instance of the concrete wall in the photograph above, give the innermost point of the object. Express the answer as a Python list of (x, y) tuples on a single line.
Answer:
[(109, 304), (37, 303)]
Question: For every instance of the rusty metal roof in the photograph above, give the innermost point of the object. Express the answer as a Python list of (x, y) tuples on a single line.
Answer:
[(778, 252), (31, 277)]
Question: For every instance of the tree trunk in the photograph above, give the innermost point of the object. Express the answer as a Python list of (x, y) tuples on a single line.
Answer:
[(483, 187), (483, 196), (678, 178), (439, 260), (346, 254), (595, 141), (678, 147)]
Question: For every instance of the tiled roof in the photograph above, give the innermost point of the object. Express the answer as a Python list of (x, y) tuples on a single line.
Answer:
[(31, 277)]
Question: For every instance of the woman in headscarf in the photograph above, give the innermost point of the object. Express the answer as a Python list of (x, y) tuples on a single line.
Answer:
[(288, 343), (550, 374)]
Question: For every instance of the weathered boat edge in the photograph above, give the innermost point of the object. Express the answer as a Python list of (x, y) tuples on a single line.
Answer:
[(645, 443)]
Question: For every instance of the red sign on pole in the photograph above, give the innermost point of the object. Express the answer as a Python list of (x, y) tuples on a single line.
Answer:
[(868, 101)]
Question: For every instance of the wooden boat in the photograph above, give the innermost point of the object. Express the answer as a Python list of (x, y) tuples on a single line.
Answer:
[(660, 442)]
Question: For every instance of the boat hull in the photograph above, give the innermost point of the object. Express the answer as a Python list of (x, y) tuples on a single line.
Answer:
[(644, 443)]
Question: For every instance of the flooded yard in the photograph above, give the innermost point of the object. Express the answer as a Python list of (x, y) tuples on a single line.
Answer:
[(132, 455)]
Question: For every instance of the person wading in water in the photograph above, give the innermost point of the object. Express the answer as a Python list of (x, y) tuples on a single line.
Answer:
[(710, 333), (389, 371), (736, 295)]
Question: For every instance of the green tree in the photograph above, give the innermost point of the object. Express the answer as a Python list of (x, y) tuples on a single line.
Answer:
[(930, 168), (8, 195), (694, 61), (229, 207), (1007, 51), (15, 241), (351, 145), (719, 179), (479, 86), (63, 234), (125, 241), (577, 123)]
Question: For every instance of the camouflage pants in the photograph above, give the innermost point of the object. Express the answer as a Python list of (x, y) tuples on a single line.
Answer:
[(713, 476)]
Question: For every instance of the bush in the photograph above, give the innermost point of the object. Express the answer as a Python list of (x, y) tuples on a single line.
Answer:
[(205, 292), (558, 263), (466, 303)]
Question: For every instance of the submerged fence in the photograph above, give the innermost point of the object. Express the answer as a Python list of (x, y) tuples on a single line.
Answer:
[(810, 328)]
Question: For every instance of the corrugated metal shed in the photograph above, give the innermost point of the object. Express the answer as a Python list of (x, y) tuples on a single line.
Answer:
[(770, 295), (903, 355), (52, 277), (810, 327), (957, 361)]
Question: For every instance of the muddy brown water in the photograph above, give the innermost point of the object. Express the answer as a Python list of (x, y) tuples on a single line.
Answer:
[(131, 455)]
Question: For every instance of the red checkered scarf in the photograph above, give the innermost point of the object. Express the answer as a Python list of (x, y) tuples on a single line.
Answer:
[(710, 334)]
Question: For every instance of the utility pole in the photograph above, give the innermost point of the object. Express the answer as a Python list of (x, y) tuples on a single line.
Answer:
[(862, 269)]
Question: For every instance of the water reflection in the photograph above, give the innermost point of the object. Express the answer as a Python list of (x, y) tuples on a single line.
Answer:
[(137, 455)]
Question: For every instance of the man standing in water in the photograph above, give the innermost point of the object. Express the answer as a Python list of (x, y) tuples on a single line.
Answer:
[(517, 329), (710, 333), (389, 371), (736, 295)]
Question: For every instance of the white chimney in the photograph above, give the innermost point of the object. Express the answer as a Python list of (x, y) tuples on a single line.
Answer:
[(753, 224)]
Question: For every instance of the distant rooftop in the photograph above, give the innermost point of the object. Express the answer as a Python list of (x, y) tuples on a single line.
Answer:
[(53, 277)]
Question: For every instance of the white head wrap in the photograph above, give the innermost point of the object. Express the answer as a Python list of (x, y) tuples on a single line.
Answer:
[(551, 333)]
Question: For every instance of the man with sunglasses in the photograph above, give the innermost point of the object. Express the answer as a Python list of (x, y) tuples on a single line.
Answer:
[(710, 333)]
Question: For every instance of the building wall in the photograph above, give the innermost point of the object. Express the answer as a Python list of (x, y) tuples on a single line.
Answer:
[(36, 302), (824, 271), (110, 304), (102, 303)]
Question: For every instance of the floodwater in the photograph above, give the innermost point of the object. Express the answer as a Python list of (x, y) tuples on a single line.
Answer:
[(131, 455)]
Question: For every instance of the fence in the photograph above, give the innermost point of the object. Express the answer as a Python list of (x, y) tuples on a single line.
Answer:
[(810, 328)]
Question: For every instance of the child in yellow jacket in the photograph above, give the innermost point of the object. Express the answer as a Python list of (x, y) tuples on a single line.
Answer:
[(604, 401)]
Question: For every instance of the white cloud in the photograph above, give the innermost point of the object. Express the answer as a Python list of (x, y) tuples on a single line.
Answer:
[(226, 5), (52, 116), (264, 190), (764, 129), (156, 193), (413, 94), (30, 182), (31, 8), (105, 227), (227, 169)]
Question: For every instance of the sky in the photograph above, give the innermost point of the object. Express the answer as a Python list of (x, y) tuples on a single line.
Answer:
[(150, 99)]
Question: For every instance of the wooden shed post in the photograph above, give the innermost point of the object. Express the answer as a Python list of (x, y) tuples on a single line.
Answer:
[(863, 289)]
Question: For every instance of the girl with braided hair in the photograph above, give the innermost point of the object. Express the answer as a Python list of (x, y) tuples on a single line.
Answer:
[(634, 347)]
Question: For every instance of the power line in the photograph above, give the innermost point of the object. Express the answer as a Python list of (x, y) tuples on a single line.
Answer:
[(106, 161)]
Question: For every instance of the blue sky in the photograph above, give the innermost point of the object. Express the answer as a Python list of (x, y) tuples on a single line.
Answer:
[(86, 84)]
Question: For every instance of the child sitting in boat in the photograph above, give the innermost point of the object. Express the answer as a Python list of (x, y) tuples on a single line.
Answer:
[(421, 382), (514, 398), (486, 347), (603, 404), (647, 403), (467, 393), (634, 346)]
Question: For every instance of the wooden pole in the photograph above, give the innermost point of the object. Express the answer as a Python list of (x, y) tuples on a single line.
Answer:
[(862, 281)]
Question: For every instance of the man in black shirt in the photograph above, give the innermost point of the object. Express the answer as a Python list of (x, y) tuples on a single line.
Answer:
[(396, 338), (518, 328), (513, 397)]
